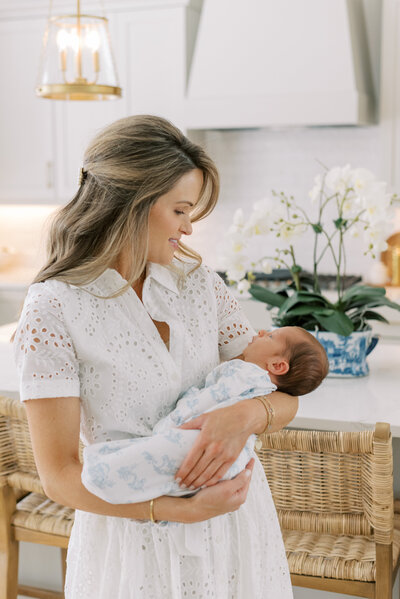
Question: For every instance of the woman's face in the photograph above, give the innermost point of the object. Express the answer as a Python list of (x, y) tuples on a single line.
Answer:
[(170, 217)]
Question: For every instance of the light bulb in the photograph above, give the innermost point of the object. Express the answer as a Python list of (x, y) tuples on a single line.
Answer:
[(92, 40), (63, 39)]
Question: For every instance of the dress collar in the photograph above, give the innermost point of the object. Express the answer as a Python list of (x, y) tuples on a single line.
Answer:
[(167, 276)]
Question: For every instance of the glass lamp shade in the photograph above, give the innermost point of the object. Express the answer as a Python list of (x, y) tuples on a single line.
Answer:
[(77, 61)]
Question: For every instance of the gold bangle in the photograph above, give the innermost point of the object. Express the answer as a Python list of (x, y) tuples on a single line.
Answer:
[(152, 511), (269, 411)]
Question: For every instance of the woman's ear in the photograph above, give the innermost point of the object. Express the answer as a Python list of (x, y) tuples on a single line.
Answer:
[(278, 365)]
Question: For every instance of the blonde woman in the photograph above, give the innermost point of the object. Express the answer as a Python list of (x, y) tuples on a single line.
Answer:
[(120, 320)]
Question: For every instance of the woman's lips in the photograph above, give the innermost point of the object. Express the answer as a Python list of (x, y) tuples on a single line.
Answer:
[(173, 242)]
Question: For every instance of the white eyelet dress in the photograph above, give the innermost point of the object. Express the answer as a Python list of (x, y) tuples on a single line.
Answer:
[(109, 353)]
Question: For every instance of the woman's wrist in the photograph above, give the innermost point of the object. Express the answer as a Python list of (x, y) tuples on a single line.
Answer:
[(254, 416), (172, 509)]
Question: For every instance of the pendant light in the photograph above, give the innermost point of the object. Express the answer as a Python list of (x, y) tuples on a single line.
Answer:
[(77, 61)]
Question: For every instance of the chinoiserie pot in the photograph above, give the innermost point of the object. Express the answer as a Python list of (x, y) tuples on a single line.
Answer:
[(347, 355)]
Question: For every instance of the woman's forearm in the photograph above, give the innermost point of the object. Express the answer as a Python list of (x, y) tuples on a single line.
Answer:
[(67, 489), (285, 408)]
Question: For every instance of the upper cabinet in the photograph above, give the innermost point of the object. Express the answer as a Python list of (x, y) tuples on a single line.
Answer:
[(43, 141), (27, 142)]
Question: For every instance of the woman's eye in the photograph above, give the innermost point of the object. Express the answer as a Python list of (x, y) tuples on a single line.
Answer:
[(179, 212)]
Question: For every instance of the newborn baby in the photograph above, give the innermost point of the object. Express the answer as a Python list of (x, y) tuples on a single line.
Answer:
[(138, 469)]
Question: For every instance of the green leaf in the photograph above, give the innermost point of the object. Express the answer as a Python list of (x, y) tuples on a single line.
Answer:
[(368, 315), (340, 222), (309, 309), (265, 295), (304, 297), (317, 228), (296, 268), (337, 322), (362, 290)]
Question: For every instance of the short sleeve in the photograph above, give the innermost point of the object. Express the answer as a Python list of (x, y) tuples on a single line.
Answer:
[(43, 349), (234, 329)]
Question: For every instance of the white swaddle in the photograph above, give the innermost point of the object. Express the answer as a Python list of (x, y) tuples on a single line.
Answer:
[(142, 468)]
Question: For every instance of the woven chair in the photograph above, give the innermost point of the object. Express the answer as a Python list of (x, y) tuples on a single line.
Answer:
[(334, 496), (26, 514)]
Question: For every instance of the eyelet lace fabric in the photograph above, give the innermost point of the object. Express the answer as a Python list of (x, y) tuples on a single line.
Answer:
[(108, 352)]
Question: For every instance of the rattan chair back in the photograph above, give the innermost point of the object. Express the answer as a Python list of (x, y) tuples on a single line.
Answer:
[(336, 482), (17, 463)]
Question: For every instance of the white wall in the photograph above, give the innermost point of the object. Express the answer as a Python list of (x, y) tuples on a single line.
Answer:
[(253, 162)]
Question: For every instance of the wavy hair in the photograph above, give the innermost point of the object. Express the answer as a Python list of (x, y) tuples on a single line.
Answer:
[(127, 167)]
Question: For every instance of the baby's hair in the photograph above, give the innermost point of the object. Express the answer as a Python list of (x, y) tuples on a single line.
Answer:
[(308, 366)]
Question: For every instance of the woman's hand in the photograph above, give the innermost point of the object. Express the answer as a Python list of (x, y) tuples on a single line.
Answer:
[(226, 496), (224, 433)]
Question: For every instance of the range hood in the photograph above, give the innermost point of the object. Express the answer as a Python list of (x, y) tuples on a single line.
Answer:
[(280, 62)]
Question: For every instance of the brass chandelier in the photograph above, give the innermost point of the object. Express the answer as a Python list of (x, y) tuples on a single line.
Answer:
[(77, 61)]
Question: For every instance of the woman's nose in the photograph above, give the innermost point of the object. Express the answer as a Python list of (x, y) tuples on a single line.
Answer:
[(186, 227)]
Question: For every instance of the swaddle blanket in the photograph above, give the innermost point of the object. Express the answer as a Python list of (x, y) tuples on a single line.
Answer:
[(142, 468)]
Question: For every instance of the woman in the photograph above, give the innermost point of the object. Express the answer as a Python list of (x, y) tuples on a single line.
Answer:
[(120, 320)]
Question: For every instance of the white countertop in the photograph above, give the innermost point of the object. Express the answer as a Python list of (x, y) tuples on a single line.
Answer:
[(338, 404), (357, 404)]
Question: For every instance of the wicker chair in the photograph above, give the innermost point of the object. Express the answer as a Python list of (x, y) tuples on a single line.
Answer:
[(334, 495), (26, 514)]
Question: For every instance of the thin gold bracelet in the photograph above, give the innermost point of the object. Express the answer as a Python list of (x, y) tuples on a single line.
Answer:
[(152, 511), (269, 411)]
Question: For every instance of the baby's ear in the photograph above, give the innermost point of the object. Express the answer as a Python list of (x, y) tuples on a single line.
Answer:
[(278, 366)]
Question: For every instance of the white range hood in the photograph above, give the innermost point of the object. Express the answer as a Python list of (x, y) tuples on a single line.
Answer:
[(280, 62)]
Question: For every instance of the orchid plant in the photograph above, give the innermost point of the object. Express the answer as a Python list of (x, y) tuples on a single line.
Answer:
[(344, 201)]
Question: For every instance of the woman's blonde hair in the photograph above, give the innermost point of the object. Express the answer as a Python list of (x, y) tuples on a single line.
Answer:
[(127, 167)]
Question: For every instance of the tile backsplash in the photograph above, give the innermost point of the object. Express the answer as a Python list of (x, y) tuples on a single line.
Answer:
[(253, 162)]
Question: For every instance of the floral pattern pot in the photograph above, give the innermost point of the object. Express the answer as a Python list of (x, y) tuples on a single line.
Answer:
[(347, 355)]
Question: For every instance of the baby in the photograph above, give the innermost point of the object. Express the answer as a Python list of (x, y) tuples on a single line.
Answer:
[(131, 470)]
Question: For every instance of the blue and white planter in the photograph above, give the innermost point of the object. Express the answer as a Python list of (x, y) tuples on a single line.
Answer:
[(347, 355)]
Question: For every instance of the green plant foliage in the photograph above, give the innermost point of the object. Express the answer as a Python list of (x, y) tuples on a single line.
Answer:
[(312, 310)]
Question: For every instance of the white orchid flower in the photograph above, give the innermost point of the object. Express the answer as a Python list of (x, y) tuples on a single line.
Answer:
[(259, 222), (339, 179), (362, 180), (243, 286), (375, 237), (377, 206), (315, 191), (238, 218), (266, 266)]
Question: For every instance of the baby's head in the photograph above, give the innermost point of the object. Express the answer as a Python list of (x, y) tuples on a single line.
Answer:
[(294, 359)]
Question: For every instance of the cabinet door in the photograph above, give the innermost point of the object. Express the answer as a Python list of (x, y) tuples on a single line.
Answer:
[(26, 122), (152, 50)]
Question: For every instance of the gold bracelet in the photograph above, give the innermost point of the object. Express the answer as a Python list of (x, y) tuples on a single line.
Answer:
[(269, 411), (152, 510)]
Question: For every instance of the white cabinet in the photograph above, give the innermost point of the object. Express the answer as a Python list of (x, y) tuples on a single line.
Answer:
[(154, 61), (43, 141), (27, 144)]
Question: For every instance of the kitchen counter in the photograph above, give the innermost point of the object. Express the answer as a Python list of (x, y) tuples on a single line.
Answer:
[(357, 404), (338, 404)]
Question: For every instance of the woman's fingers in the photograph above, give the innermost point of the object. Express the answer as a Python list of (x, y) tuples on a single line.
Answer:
[(208, 463), (205, 475), (190, 462), (219, 474)]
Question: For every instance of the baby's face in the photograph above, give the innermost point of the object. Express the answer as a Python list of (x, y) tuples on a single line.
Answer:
[(266, 345)]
